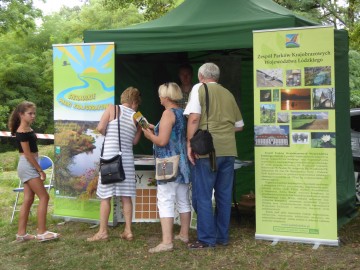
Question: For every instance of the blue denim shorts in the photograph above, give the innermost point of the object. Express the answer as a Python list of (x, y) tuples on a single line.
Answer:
[(26, 171)]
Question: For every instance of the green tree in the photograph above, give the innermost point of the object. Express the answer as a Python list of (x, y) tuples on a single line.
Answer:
[(21, 69), (344, 16), (340, 14), (333, 12), (69, 24), (354, 78), (18, 16), (3, 117), (152, 9), (354, 36)]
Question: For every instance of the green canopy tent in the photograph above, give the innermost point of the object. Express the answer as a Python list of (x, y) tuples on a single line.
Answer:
[(148, 55)]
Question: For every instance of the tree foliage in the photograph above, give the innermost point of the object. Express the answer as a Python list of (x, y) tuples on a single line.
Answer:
[(354, 78), (152, 9), (340, 14), (18, 16)]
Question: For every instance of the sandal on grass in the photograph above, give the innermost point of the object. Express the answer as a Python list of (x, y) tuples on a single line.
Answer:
[(24, 238), (98, 237), (181, 238), (47, 236), (127, 236), (199, 245), (162, 248)]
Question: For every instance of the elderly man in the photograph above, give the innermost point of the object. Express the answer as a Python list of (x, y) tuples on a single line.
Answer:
[(224, 120)]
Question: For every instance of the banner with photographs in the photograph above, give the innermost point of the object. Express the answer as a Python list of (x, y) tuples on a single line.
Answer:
[(294, 134), (83, 88)]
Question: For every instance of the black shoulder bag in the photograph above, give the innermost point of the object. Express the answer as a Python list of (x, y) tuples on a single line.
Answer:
[(202, 141), (112, 170)]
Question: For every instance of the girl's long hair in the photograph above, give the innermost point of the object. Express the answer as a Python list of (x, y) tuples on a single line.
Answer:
[(14, 119)]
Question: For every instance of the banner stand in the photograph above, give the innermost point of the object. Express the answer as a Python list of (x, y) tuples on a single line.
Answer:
[(295, 135), (316, 242)]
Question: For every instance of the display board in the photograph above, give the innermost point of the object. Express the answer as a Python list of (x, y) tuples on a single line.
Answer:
[(83, 88), (294, 134)]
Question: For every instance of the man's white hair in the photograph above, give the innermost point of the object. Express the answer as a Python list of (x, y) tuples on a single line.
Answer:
[(210, 71)]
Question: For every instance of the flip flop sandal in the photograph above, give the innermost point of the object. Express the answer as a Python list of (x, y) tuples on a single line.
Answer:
[(162, 248), (98, 237), (45, 236), (127, 236), (199, 245), (181, 238), (24, 238)]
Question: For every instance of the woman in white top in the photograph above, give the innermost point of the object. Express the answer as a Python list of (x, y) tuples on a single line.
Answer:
[(130, 135)]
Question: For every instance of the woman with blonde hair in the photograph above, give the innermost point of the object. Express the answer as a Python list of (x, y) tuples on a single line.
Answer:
[(30, 173), (130, 135), (169, 139)]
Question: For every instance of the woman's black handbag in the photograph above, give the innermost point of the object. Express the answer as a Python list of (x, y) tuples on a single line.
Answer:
[(202, 141), (112, 170)]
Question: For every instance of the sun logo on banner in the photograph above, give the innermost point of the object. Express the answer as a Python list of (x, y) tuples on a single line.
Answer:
[(85, 74), (292, 41), (86, 59)]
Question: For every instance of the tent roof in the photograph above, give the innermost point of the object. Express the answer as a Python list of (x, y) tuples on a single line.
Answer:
[(198, 25)]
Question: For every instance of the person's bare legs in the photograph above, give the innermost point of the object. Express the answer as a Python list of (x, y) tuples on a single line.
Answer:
[(167, 236), (165, 202), (185, 225), (31, 187), (167, 224), (105, 208), (127, 212), (184, 208), (102, 234), (37, 186), (25, 209)]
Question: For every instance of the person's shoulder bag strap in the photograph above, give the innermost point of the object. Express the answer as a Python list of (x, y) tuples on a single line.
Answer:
[(118, 122), (212, 154), (207, 105)]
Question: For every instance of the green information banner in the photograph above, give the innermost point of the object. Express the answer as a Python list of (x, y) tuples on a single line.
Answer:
[(83, 88), (294, 133)]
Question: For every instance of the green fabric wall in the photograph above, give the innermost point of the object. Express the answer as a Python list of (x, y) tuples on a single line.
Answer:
[(345, 182), (245, 177)]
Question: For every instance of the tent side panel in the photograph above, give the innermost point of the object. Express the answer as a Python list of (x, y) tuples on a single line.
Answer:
[(245, 177), (346, 199)]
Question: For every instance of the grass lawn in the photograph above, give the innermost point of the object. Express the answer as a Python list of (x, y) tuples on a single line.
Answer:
[(244, 252), (296, 124)]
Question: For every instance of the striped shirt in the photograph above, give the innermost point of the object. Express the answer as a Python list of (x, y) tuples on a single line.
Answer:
[(111, 148)]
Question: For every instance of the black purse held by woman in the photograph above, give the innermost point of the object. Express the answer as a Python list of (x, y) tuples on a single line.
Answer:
[(112, 170)]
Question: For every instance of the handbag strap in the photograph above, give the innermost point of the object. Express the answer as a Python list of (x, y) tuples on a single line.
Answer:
[(118, 124), (207, 105), (212, 154)]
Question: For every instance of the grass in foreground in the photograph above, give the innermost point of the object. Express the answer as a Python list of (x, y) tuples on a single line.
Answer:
[(72, 251)]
